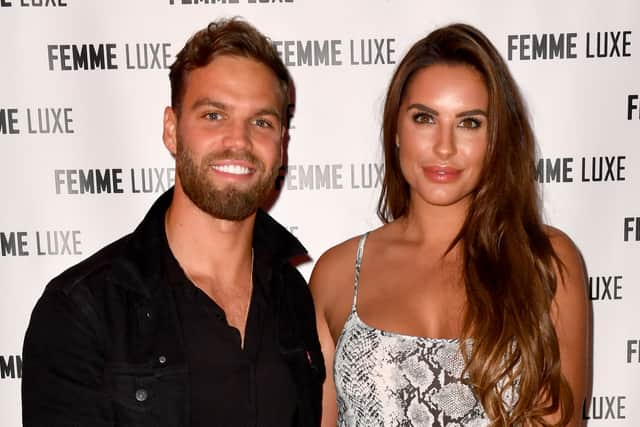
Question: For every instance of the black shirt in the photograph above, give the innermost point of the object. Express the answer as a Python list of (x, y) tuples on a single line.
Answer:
[(124, 339), (231, 385)]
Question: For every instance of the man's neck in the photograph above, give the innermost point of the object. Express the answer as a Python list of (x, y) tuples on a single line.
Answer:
[(208, 247)]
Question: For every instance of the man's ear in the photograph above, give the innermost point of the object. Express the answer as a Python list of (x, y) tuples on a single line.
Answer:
[(169, 130), (284, 136)]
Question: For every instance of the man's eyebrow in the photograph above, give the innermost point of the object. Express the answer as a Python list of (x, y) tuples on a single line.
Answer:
[(269, 112), (208, 102)]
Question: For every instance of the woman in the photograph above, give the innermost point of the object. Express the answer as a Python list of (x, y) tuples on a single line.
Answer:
[(466, 309)]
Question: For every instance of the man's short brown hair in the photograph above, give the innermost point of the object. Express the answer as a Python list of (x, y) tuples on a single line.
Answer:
[(234, 37)]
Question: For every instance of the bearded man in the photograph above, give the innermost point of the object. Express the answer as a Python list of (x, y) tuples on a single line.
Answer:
[(197, 318)]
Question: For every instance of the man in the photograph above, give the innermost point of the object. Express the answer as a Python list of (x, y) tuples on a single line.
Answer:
[(196, 318)]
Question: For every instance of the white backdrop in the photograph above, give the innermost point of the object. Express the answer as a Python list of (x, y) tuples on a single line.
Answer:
[(83, 159)]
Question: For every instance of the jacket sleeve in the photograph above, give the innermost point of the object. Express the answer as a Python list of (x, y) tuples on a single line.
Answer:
[(63, 366), (307, 358)]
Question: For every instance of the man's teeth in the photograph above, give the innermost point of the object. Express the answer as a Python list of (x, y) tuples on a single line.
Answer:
[(233, 169)]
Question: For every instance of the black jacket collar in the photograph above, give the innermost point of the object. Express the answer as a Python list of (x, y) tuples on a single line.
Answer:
[(144, 253)]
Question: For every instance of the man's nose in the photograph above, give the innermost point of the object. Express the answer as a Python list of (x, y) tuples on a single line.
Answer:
[(237, 135)]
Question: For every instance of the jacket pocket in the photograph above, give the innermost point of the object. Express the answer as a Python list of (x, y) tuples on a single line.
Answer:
[(148, 397), (305, 363), (307, 367)]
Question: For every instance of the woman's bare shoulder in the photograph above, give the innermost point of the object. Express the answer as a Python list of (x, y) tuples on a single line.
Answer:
[(333, 273), (339, 255), (571, 273), (566, 250), (334, 267)]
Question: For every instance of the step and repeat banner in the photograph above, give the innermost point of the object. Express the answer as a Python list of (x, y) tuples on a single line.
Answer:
[(83, 84)]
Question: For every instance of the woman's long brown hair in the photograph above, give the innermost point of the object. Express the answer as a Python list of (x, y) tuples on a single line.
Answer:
[(508, 261)]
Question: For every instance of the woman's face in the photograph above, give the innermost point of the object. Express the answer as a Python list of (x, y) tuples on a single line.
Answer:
[(442, 134)]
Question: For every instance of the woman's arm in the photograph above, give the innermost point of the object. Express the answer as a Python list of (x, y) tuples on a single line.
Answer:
[(331, 286), (321, 285), (570, 314)]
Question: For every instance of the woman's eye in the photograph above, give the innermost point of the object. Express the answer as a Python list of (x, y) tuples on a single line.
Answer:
[(423, 118), (470, 123)]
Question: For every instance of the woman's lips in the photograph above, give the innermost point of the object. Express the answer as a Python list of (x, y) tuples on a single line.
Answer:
[(441, 174)]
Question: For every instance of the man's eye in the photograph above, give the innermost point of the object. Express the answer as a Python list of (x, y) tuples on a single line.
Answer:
[(423, 118), (213, 116), (263, 123), (469, 123)]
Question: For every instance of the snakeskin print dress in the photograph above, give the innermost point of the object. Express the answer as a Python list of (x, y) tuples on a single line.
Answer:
[(394, 380)]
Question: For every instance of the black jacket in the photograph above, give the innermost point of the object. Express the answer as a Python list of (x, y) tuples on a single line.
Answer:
[(90, 355)]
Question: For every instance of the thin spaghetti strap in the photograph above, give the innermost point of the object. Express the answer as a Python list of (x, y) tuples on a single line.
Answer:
[(356, 281)]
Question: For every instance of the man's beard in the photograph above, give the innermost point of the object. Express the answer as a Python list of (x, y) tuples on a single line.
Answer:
[(228, 203)]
